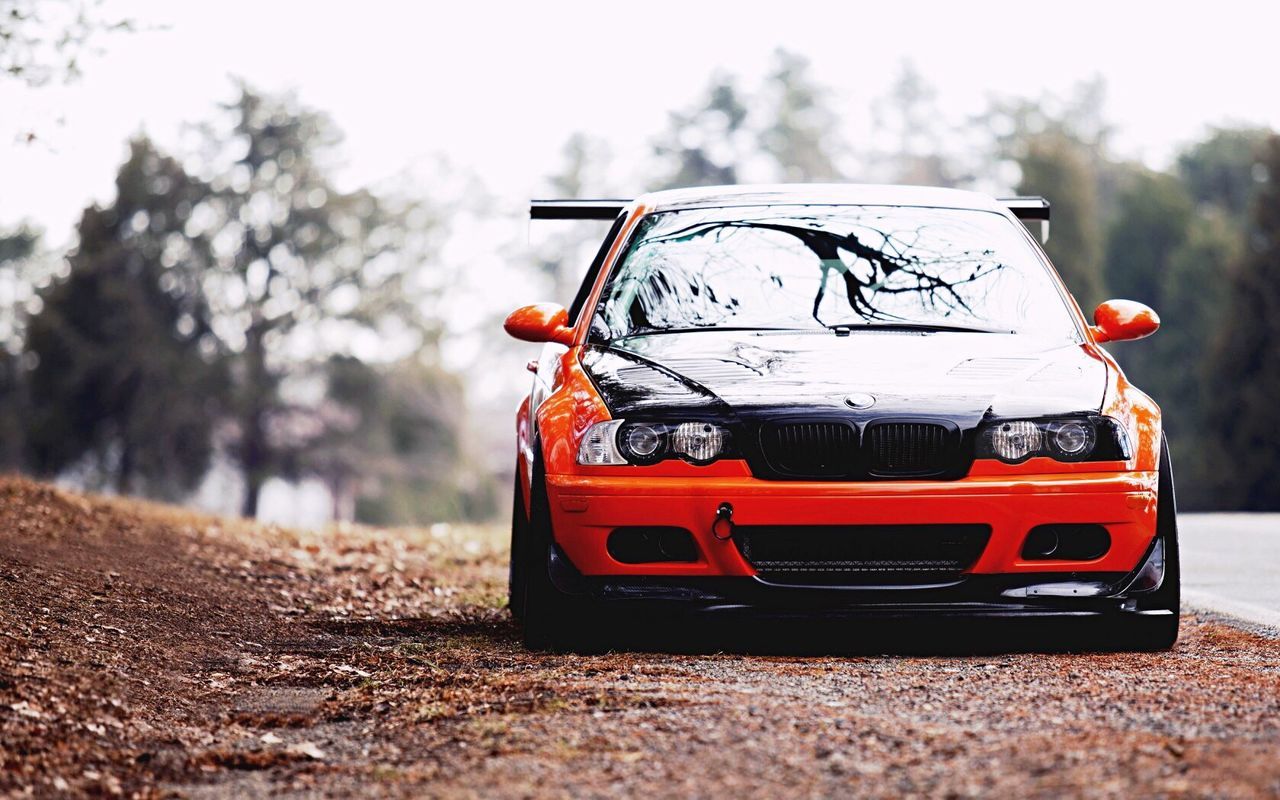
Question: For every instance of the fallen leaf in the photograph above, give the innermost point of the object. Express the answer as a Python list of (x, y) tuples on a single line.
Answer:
[(307, 749)]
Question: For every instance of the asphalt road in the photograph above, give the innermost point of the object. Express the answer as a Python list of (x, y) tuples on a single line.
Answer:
[(1231, 564)]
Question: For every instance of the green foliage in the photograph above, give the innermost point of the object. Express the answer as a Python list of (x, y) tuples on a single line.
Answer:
[(300, 271), (42, 40), (1149, 224), (17, 248), (1246, 367), (13, 411), (17, 279), (1225, 169), (707, 144), (908, 117), (802, 134), (785, 127), (1060, 168), (566, 252), (393, 453), (124, 370), (1162, 253)]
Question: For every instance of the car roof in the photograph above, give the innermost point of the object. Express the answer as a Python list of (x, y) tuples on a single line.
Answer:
[(817, 194)]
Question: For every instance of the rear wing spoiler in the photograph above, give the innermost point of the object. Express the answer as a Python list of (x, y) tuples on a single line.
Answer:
[(1027, 209), (576, 209)]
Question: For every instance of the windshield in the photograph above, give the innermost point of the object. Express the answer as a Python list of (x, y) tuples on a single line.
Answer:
[(788, 267)]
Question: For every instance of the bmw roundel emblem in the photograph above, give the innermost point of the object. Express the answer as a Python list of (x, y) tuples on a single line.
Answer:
[(859, 400)]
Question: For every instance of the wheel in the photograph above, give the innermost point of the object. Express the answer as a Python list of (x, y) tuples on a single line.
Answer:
[(1161, 632), (551, 619), (516, 569)]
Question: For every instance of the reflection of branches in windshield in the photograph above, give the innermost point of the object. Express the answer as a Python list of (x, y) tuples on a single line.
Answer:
[(899, 259)]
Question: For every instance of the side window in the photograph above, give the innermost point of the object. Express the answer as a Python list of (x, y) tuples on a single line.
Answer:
[(593, 271)]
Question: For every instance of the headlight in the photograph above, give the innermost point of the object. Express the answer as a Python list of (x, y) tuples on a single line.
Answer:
[(1071, 439), (643, 442), (617, 442), (600, 445), (1080, 439), (699, 441), (1014, 441)]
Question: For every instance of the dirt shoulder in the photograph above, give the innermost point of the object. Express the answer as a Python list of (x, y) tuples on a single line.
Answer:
[(148, 651)]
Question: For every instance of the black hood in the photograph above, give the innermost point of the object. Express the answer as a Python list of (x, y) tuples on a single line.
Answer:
[(955, 376)]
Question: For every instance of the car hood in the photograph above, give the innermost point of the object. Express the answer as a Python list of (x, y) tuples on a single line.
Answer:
[(954, 375)]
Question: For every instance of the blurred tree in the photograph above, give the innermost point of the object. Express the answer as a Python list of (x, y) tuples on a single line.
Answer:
[(908, 119), (1058, 168), (1161, 253), (1181, 362), (564, 255), (1225, 169), (1246, 373), (802, 132), (707, 145), (1153, 213), (42, 40), (16, 249), (392, 452), (784, 131), (301, 271), (125, 367), (1058, 147), (13, 412)]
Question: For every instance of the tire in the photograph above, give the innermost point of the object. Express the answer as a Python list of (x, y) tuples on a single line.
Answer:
[(1153, 634), (551, 620), (517, 571)]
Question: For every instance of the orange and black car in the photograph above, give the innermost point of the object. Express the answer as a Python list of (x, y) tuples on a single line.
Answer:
[(866, 400)]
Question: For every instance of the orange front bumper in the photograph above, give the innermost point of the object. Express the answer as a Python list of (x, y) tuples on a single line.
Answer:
[(586, 508)]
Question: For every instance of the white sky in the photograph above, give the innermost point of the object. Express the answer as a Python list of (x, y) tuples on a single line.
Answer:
[(498, 87)]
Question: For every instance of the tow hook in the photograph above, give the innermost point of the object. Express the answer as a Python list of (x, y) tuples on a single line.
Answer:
[(722, 527)]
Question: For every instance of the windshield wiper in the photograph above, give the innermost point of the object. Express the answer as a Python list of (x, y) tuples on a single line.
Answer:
[(926, 327)]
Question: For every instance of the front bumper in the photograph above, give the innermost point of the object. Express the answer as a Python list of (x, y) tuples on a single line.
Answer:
[(586, 508)]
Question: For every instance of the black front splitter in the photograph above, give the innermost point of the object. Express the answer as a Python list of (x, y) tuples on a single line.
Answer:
[(1024, 596)]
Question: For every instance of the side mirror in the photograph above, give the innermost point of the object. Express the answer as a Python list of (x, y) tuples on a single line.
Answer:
[(540, 322), (1122, 320)]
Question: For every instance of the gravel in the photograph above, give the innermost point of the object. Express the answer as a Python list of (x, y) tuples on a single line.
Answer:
[(148, 651)]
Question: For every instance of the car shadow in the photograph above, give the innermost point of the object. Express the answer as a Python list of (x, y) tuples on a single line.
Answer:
[(800, 636)]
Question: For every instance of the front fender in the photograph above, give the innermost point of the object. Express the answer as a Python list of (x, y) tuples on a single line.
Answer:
[(571, 407)]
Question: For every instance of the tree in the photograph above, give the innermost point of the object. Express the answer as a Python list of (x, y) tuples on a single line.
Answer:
[(1160, 252), (1225, 169), (17, 248), (565, 254), (301, 271), (392, 452), (125, 364), (1058, 148), (908, 118), (707, 145), (1181, 363), (44, 39), (1246, 379), (1057, 167), (1150, 222), (783, 131), (801, 136)]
